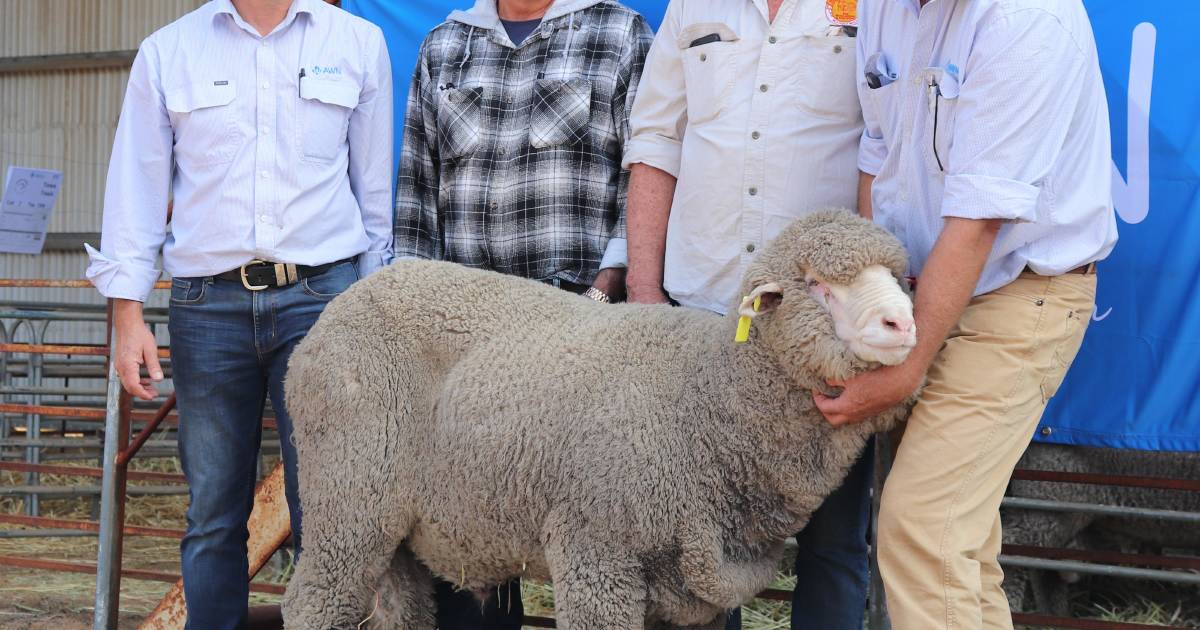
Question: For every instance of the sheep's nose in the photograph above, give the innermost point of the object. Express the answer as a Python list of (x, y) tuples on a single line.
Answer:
[(897, 324)]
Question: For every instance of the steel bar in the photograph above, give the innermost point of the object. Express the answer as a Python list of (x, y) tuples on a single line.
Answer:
[(44, 533), (68, 61), (52, 410), (44, 283), (1106, 557), (148, 430), (60, 492), (80, 349), (91, 444), (88, 471), (136, 574), (1128, 481), (87, 526), (1102, 510), (112, 499), (18, 390), (1100, 569), (1047, 621), (152, 315)]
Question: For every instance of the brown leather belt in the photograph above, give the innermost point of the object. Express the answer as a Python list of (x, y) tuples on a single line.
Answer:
[(257, 275), (1082, 270)]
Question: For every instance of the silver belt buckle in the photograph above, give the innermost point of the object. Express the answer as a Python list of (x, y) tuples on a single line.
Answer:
[(246, 282)]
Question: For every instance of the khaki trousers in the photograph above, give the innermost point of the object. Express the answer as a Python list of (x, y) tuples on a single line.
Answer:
[(939, 524)]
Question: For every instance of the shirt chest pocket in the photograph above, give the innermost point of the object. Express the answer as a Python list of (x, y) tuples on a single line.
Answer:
[(825, 78), (561, 112), (325, 108), (459, 117), (941, 106), (204, 121), (708, 51)]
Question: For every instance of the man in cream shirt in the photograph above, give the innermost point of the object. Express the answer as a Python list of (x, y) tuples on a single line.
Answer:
[(746, 119)]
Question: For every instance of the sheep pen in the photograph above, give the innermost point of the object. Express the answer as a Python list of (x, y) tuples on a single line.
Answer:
[(474, 426)]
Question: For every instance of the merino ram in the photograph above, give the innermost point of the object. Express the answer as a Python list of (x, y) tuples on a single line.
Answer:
[(476, 426)]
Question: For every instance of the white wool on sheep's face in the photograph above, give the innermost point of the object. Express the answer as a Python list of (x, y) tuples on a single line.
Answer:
[(873, 315)]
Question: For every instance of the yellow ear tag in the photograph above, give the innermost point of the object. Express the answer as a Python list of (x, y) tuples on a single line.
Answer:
[(743, 329)]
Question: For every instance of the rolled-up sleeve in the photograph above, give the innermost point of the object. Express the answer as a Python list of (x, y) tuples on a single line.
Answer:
[(872, 148), (1010, 126), (135, 197), (370, 139), (659, 114)]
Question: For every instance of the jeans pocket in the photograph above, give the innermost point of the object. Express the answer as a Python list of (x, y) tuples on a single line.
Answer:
[(332, 283), (186, 291)]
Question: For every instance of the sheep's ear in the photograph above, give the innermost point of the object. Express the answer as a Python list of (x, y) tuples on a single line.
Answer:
[(769, 294)]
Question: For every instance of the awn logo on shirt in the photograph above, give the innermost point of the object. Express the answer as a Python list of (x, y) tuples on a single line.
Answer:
[(842, 12), (326, 70)]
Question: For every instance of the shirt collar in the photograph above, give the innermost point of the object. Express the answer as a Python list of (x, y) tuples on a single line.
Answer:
[(225, 7)]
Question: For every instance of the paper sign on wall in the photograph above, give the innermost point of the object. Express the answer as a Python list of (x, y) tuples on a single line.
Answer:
[(29, 196)]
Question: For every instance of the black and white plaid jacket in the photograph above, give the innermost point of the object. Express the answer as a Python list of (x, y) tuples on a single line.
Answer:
[(512, 157)]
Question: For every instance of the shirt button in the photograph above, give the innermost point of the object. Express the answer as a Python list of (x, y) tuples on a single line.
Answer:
[(264, 175), (753, 191), (750, 247), (772, 39), (755, 135), (265, 131), (703, 57), (493, 205), (762, 88), (266, 86), (837, 49), (262, 218)]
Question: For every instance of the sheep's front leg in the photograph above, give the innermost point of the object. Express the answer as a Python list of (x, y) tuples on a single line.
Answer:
[(595, 587), (717, 580)]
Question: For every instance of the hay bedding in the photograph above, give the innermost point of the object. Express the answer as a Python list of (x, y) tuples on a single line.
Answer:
[(41, 600)]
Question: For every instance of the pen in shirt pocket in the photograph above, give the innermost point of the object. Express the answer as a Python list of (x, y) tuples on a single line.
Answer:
[(299, 80)]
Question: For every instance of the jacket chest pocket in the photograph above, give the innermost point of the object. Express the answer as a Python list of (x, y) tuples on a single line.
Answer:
[(459, 117), (325, 108), (825, 79), (205, 122), (941, 105), (561, 112), (708, 68)]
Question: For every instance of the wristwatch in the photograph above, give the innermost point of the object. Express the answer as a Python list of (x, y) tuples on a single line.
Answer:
[(597, 294)]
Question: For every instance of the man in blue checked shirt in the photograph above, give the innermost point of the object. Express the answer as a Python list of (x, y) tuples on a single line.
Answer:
[(269, 124)]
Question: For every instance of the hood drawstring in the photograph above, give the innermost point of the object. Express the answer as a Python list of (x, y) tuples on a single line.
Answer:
[(467, 53)]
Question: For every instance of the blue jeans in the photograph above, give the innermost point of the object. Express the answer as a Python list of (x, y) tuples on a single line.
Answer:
[(832, 557), (229, 351)]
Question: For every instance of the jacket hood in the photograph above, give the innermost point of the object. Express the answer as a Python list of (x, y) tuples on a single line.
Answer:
[(484, 14)]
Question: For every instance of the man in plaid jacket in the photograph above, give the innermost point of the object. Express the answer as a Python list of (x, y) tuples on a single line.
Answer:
[(518, 115)]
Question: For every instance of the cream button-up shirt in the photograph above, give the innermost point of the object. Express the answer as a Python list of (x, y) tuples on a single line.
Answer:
[(760, 123)]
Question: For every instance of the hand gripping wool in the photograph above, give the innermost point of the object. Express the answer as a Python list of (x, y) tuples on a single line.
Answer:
[(476, 426)]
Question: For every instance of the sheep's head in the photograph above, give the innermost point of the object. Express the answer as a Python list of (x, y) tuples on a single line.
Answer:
[(831, 297)]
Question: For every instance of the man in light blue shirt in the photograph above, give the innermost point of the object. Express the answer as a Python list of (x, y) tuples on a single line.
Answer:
[(268, 123), (986, 151)]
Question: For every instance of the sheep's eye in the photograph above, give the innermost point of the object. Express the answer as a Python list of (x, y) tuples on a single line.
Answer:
[(814, 282)]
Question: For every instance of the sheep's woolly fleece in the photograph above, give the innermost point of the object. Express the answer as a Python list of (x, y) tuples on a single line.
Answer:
[(476, 426)]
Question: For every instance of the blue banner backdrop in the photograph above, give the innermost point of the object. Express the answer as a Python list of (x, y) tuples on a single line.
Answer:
[(1135, 382)]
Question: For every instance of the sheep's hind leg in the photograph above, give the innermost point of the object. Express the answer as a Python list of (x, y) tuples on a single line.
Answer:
[(404, 598), (594, 587)]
